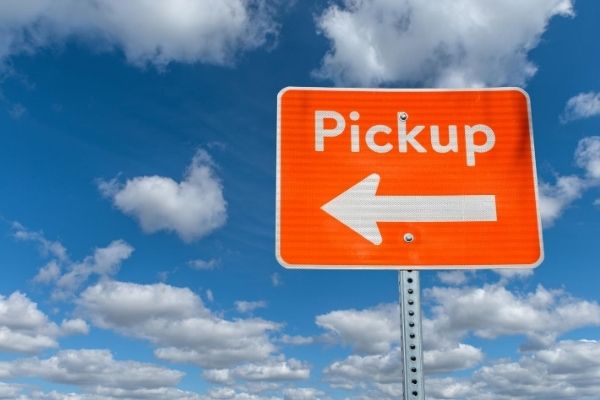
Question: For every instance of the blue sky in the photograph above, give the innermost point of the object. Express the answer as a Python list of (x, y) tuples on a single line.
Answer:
[(137, 221)]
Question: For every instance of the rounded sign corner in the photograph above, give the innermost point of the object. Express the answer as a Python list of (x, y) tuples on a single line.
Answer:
[(522, 91), (281, 261), (539, 260), (283, 91)]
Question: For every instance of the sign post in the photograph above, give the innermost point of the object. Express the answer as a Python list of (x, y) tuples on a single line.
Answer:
[(411, 330), (407, 180)]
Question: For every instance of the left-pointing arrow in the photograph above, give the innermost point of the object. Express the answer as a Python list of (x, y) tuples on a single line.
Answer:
[(359, 208)]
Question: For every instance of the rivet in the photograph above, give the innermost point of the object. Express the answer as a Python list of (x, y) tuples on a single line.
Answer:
[(403, 116), (409, 237)]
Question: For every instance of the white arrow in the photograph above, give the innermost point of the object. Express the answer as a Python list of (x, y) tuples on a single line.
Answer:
[(359, 208)]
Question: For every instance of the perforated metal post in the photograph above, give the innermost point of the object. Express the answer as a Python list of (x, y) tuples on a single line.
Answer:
[(411, 341)]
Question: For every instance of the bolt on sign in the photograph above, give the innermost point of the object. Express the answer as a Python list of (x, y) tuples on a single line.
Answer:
[(418, 179)]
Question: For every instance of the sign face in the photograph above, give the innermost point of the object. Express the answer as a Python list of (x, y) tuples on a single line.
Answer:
[(406, 179)]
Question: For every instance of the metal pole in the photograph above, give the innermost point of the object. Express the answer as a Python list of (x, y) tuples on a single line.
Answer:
[(412, 341)]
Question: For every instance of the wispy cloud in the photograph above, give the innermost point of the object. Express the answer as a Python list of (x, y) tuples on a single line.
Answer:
[(558, 196), (584, 105), (203, 265), (243, 306), (68, 276), (276, 279)]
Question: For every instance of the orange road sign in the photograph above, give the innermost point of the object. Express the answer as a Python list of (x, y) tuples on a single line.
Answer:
[(386, 178)]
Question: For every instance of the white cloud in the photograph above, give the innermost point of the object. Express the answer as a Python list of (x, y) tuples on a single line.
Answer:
[(177, 322), (48, 247), (192, 208), (109, 393), (566, 370), (48, 273), (24, 328), (302, 394), (587, 156), (555, 198), (98, 373), (275, 370), (146, 31), (453, 277), (486, 312), (492, 311), (584, 105), (296, 340), (200, 265), (276, 279), (456, 314), (368, 331), (228, 393), (451, 43), (209, 295), (104, 262), (67, 275), (357, 370), (9, 391), (74, 327), (463, 356), (249, 306), (511, 273)]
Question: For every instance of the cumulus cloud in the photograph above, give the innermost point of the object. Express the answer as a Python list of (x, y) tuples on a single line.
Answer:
[(108, 393), (25, 329), (493, 310), (386, 368), (275, 369), (178, 323), (145, 31), (302, 394), (558, 196), (296, 340), (456, 315), (368, 331), (192, 208), (9, 391), (98, 373), (463, 356), (565, 370), (447, 44), (584, 105), (356, 369)]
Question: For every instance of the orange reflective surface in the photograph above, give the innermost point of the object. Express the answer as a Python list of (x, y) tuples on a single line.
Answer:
[(307, 179)]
